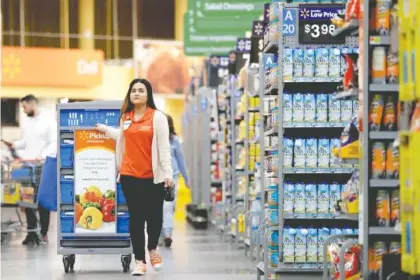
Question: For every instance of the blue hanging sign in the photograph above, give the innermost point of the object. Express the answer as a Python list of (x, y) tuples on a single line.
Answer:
[(289, 22)]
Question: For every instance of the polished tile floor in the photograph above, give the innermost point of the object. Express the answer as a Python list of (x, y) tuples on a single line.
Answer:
[(195, 255)]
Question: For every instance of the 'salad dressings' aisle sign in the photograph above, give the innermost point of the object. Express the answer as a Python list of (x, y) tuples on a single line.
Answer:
[(94, 183)]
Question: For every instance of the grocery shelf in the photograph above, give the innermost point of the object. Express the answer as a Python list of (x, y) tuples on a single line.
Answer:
[(383, 135), (313, 80), (299, 267), (313, 125), (382, 88), (347, 94), (383, 231), (317, 170), (379, 40), (384, 183), (352, 217)]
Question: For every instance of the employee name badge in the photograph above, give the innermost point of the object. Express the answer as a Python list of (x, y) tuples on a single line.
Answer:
[(126, 124)]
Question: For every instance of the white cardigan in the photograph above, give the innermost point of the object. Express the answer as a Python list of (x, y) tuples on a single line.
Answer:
[(161, 149)]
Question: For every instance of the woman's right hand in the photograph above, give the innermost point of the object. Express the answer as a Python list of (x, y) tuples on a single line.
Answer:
[(101, 127)]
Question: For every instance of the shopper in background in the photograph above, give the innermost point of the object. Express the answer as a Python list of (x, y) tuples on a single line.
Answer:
[(144, 164), (39, 141), (178, 166)]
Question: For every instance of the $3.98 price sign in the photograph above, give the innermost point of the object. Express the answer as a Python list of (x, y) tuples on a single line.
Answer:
[(317, 30), (315, 25)]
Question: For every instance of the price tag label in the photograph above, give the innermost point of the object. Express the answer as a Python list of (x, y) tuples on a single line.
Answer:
[(315, 26), (257, 40)]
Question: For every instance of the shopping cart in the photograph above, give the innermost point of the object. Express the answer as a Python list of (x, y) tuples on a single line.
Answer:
[(19, 188)]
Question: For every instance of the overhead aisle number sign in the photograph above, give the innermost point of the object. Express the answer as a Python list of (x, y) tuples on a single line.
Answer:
[(289, 22)]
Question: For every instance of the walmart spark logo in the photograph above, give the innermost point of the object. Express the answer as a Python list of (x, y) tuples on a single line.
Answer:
[(304, 13), (84, 135), (11, 66)]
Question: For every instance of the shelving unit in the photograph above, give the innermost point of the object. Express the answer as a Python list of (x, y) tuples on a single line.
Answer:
[(376, 189), (273, 55)]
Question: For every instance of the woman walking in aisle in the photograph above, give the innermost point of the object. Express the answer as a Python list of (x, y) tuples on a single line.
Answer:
[(144, 164), (178, 166)]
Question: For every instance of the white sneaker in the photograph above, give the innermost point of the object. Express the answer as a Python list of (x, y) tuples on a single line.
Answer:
[(140, 269), (155, 259)]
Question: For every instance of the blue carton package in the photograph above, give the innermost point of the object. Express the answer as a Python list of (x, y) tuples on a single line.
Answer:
[(311, 198), (288, 64), (310, 107), (311, 149), (335, 143), (298, 107), (323, 198), (273, 257), (324, 151), (321, 62), (312, 246), (288, 152), (323, 234), (288, 198), (343, 66), (299, 153), (346, 110), (335, 195), (287, 107), (334, 110), (300, 245), (334, 69), (300, 199), (309, 63), (289, 235), (298, 55), (322, 107)]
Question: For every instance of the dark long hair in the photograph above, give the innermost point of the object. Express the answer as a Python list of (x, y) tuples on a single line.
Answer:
[(128, 106), (171, 125)]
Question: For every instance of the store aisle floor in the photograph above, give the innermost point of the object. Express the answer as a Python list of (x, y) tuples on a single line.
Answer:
[(195, 255)]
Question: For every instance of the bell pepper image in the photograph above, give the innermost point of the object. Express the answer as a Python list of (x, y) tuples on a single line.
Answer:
[(109, 194), (92, 204), (89, 197), (103, 201), (92, 218), (95, 190), (78, 209), (108, 210)]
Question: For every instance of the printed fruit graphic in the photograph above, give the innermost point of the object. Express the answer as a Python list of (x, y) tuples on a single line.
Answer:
[(78, 209), (108, 211), (92, 218), (96, 190), (89, 196)]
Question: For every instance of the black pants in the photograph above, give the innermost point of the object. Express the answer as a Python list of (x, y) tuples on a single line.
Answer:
[(44, 219), (145, 204)]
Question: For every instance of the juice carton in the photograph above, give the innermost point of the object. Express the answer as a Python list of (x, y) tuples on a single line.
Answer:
[(300, 245), (311, 199), (299, 153), (288, 198), (343, 65), (335, 231), (323, 198), (311, 149), (310, 107), (312, 245), (287, 107), (324, 151), (378, 160), (298, 107), (309, 63), (298, 62), (323, 234), (346, 110), (300, 199), (335, 143), (334, 112), (321, 62), (289, 235), (334, 70), (395, 207), (348, 231), (322, 107), (287, 152), (335, 195), (287, 64), (382, 208)]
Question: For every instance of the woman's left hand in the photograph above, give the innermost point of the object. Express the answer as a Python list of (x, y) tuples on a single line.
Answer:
[(169, 183)]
